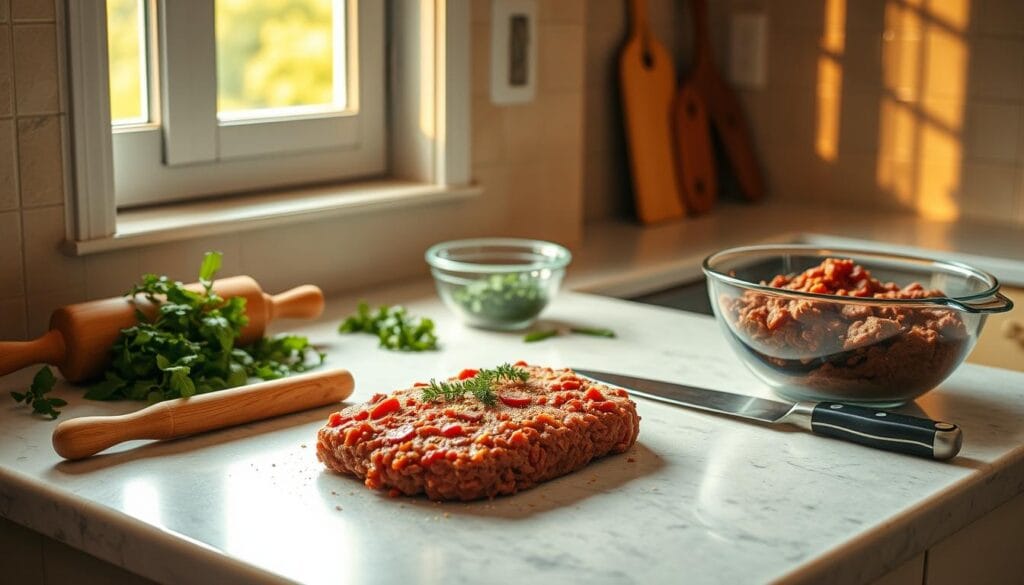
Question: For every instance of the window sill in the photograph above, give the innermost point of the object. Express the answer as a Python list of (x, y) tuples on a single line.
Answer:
[(194, 219)]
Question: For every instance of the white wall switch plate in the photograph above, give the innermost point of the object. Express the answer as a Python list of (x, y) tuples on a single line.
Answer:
[(513, 51), (748, 50)]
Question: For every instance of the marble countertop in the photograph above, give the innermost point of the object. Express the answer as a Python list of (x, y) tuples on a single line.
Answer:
[(700, 497)]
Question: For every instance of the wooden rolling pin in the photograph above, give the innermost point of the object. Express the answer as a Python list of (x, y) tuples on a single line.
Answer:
[(84, 436), (80, 335)]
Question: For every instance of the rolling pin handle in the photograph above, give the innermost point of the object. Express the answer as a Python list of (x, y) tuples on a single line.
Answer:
[(48, 349), (301, 302)]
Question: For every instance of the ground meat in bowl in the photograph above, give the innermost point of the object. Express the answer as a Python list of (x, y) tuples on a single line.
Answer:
[(549, 425), (851, 351)]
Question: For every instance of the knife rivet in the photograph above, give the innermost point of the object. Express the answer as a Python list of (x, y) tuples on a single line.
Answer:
[(879, 414), (836, 406), (944, 426)]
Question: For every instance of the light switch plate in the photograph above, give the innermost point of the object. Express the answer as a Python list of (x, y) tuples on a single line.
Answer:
[(748, 50), (513, 51)]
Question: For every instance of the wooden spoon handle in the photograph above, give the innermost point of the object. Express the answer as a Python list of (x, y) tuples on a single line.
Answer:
[(88, 435), (48, 349), (301, 302)]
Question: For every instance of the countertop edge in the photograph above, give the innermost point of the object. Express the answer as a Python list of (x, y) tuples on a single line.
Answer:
[(916, 529), (164, 556)]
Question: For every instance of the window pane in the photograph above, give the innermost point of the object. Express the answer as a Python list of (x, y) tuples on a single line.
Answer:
[(126, 46), (279, 57)]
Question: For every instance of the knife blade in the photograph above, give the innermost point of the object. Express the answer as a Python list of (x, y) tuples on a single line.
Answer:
[(872, 427)]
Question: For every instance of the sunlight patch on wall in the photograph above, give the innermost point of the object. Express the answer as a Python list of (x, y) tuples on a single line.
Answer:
[(924, 60), (830, 81)]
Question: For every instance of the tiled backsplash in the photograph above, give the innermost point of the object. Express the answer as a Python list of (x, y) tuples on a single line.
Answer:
[(527, 158), (914, 104), (903, 104)]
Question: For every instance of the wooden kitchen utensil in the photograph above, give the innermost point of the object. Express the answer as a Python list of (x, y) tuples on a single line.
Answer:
[(724, 108), (647, 79), (694, 151), (80, 335), (84, 436)]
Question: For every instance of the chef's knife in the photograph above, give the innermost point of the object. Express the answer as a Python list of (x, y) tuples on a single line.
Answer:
[(859, 424)]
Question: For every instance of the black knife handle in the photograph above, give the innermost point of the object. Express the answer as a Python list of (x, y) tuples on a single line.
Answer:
[(887, 430)]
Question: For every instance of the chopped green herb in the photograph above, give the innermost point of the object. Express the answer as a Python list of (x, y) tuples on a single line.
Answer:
[(594, 331), (540, 335), (393, 326), (189, 347), (543, 334), (36, 396), (503, 298), (481, 386)]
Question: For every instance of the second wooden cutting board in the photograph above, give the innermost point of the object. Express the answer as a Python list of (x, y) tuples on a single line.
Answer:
[(648, 82)]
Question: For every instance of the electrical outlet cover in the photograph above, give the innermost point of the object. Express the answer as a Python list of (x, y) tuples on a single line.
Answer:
[(513, 51)]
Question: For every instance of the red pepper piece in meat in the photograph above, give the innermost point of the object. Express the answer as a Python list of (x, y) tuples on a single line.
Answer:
[(384, 408), (362, 415), (336, 419), (571, 385), (515, 400), (594, 394), (468, 373), (400, 434), (452, 430)]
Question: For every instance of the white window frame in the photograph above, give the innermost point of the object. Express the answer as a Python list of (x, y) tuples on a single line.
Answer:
[(428, 135)]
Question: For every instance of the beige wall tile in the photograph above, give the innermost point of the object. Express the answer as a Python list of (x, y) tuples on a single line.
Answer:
[(480, 11), (35, 68), (992, 131), (5, 10), (997, 68), (806, 15), (12, 274), (605, 34), (111, 274), (8, 166), (603, 128), (989, 191), (181, 260), (32, 10), (859, 119), (42, 305), (561, 11), (41, 173), (606, 189), (560, 58), (46, 267), (12, 325), (1000, 17), (561, 121), (792, 58), (480, 60), (488, 130), (6, 67), (523, 131)]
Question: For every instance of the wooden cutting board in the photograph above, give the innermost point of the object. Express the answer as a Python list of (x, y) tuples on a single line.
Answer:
[(724, 109), (647, 80)]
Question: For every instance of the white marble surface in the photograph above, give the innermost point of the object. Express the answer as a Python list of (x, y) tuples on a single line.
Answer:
[(705, 499)]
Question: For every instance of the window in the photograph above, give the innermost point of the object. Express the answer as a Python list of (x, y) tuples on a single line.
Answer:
[(233, 95), (212, 97)]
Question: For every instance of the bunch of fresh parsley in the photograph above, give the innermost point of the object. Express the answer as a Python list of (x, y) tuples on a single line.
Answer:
[(189, 348), (481, 386), (393, 326)]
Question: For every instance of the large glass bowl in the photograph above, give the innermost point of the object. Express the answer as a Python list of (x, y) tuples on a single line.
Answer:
[(881, 352), (497, 283)]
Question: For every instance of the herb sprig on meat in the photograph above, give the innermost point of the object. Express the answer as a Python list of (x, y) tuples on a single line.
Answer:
[(481, 386)]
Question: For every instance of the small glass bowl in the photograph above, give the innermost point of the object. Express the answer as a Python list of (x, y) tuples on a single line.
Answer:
[(497, 283), (879, 352)]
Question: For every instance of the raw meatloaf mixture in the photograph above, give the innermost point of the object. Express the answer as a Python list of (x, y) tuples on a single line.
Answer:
[(855, 349), (550, 425)]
